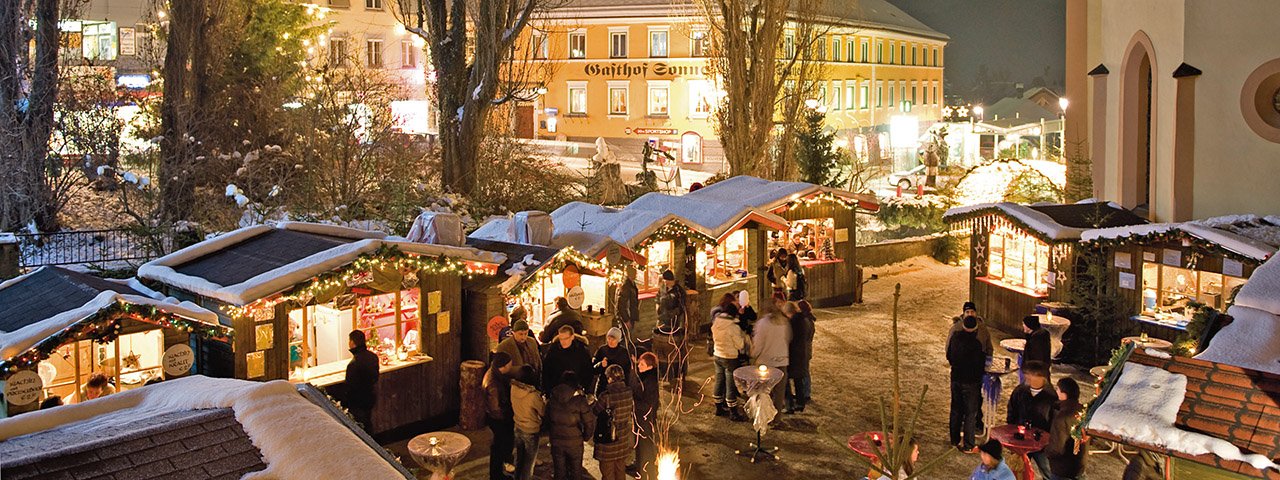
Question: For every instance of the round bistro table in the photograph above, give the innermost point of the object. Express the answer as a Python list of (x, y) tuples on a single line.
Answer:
[(439, 452), (1007, 435), (756, 382)]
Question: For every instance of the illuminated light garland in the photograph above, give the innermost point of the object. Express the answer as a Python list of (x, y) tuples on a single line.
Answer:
[(675, 230), (105, 325), (986, 218), (1199, 246), (569, 256), (824, 197)]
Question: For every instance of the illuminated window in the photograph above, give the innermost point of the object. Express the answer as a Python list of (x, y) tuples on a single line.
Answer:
[(835, 48), (659, 100), (850, 90), (879, 94), (1167, 290), (318, 333), (618, 98), (129, 361), (701, 98), (659, 255), (578, 98), (701, 43), (813, 240), (578, 45), (658, 43), (100, 40), (408, 54), (1018, 260), (727, 261), (618, 44), (863, 101)]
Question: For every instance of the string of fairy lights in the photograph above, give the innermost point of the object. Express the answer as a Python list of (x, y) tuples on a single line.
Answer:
[(673, 231), (823, 197), (105, 325), (570, 256)]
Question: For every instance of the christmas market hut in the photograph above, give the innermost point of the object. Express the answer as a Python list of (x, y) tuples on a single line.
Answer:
[(195, 427), (534, 274), (1164, 270), (819, 226), (293, 292), (652, 241), (59, 328), (1022, 256)]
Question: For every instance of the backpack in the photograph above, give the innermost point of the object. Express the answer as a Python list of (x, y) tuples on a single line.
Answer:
[(605, 431)]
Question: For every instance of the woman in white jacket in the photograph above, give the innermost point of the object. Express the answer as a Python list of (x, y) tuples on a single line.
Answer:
[(728, 344), (771, 344)]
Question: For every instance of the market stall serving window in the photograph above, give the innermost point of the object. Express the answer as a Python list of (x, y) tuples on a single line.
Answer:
[(129, 362), (1018, 260), (727, 261), (1167, 290), (318, 348), (660, 257), (813, 240), (539, 299)]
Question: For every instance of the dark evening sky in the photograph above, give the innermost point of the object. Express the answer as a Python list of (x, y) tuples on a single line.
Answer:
[(1020, 37)]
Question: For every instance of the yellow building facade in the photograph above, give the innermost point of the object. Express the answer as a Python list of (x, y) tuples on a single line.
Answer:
[(637, 71)]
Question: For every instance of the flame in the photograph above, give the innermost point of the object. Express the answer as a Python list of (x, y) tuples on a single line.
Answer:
[(668, 465)]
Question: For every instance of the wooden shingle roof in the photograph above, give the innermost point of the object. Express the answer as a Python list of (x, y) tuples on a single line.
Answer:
[(260, 254), (1234, 404)]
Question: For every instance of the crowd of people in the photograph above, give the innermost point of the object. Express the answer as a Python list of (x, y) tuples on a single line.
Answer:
[(1035, 403)]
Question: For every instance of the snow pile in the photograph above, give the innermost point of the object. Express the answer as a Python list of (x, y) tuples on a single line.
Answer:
[(280, 278), (18, 341), (1142, 407), (518, 271), (1252, 340), (1034, 219), (275, 416)]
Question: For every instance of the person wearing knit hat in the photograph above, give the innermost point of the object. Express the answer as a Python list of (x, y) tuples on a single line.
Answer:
[(613, 352), (1038, 347), (522, 347), (967, 361), (991, 466), (984, 335), (673, 301)]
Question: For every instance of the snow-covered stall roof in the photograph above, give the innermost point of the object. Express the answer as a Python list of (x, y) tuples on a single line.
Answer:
[(175, 419), (1252, 339), (719, 217), (39, 304), (1051, 222), (628, 228), (1211, 413), (251, 263), (770, 195), (1250, 236)]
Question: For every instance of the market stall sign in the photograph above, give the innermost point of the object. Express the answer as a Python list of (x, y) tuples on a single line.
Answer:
[(650, 131), (178, 360), (23, 388), (575, 297)]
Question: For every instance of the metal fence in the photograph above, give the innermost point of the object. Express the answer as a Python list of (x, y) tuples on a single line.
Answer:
[(93, 246)]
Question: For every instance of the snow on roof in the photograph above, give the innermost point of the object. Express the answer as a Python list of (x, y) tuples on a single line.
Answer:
[(497, 228), (360, 242), (626, 227), (768, 194), (274, 415), (1142, 407), (1033, 219), (716, 217), (1252, 339), (1248, 235), (23, 338)]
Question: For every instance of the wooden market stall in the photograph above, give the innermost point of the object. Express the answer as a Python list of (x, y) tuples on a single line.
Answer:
[(1022, 256), (1162, 269), (818, 224), (294, 291), (60, 327)]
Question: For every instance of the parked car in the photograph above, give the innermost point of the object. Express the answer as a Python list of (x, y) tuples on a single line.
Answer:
[(909, 179)]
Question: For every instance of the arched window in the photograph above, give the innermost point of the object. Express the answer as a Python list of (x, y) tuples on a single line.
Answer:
[(1137, 124)]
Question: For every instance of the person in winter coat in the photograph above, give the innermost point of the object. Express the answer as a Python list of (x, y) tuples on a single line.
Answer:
[(672, 304), (728, 342), (521, 347), (800, 352), (797, 283), (361, 380), (568, 353), (1033, 403), (746, 314), (619, 403), (645, 392), (501, 416), (627, 305), (992, 466), (968, 364), (776, 272), (613, 352), (572, 423), (771, 346), (984, 335), (1038, 347), (564, 315), (1066, 461), (529, 410)]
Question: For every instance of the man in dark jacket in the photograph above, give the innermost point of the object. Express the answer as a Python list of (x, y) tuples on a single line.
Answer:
[(984, 335), (501, 416), (1038, 347), (613, 352), (361, 381), (646, 395), (627, 306), (964, 353), (1033, 403), (1066, 461), (567, 353), (564, 315), (800, 352), (572, 423), (672, 303)]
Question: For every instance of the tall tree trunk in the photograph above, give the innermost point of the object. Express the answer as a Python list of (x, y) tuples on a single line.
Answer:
[(177, 113), (27, 119)]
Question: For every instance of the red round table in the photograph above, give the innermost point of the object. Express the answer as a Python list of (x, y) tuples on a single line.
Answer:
[(1007, 436), (862, 443)]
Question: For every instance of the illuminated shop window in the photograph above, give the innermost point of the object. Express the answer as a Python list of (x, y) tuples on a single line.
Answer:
[(1018, 260), (727, 261), (1167, 290)]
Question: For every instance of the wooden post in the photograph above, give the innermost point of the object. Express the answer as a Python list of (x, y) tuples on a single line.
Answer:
[(471, 412), (9, 256)]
